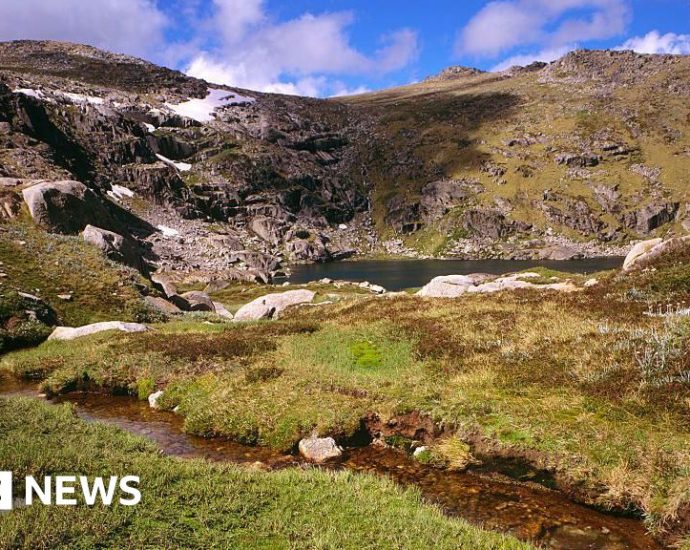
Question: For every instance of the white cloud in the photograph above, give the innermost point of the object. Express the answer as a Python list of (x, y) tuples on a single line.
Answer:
[(505, 24), (129, 26), (296, 56), (655, 42), (546, 55)]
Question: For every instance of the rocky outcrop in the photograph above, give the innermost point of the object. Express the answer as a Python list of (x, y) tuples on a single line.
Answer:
[(115, 247), (452, 286), (66, 207), (650, 217), (319, 449), (490, 224), (272, 305), (69, 333), (440, 196), (648, 253)]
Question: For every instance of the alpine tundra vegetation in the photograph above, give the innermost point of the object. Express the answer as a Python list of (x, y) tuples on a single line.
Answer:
[(148, 225)]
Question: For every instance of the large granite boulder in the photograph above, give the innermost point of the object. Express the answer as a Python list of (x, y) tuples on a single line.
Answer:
[(272, 305), (640, 249), (114, 246), (648, 253), (66, 207), (69, 333), (452, 286)]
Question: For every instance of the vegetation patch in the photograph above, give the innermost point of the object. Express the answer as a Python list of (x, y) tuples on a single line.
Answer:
[(194, 504)]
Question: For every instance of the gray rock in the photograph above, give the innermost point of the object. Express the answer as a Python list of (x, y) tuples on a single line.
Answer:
[(647, 219), (69, 333), (162, 305), (272, 305), (199, 301), (114, 246), (647, 253), (164, 283), (319, 449), (268, 229), (222, 311), (66, 207)]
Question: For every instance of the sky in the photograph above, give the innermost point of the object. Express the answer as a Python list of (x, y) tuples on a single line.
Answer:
[(335, 47)]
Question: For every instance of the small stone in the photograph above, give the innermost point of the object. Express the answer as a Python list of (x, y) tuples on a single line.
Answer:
[(65, 297), (319, 449)]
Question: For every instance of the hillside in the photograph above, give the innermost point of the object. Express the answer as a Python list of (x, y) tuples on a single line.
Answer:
[(575, 158)]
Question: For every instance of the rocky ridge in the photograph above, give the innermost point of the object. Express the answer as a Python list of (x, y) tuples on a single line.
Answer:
[(234, 184)]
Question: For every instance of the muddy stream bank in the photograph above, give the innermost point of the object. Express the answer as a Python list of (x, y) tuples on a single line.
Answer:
[(530, 512)]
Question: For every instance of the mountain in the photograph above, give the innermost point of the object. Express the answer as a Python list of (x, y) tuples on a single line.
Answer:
[(573, 158)]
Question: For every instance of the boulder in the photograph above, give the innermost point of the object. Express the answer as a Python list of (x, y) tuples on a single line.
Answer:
[(66, 207), (452, 286), (648, 255), (69, 333), (319, 449), (199, 301), (222, 311), (447, 286), (164, 283), (114, 246), (162, 305), (272, 305), (640, 249)]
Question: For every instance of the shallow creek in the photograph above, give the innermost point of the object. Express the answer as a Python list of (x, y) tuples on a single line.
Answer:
[(527, 511)]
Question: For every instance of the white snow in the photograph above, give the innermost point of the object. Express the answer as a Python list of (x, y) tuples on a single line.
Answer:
[(38, 94), (150, 127), (202, 110), (81, 98), (167, 231), (181, 166), (118, 192)]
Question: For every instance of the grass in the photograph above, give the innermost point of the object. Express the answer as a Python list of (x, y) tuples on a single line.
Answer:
[(585, 385), (194, 504), (48, 265)]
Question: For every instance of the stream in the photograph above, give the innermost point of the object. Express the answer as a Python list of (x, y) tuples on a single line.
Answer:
[(527, 511)]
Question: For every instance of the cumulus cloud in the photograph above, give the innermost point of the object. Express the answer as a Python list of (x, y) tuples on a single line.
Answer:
[(505, 24), (128, 26), (655, 42), (294, 56)]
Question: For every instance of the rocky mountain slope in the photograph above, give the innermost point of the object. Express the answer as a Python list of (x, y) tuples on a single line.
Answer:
[(573, 158)]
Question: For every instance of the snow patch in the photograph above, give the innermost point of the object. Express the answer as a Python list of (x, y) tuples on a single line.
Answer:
[(181, 166), (38, 94), (118, 192), (203, 110), (150, 127), (81, 98), (167, 231)]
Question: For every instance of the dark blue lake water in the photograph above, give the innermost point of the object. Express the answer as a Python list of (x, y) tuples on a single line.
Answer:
[(401, 274)]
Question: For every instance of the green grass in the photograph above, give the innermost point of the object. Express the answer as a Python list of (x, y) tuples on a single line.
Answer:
[(47, 265), (582, 384), (195, 504)]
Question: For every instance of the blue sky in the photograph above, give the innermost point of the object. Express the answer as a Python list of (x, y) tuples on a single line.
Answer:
[(330, 47)]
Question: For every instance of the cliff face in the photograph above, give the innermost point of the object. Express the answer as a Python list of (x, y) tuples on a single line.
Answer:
[(576, 157)]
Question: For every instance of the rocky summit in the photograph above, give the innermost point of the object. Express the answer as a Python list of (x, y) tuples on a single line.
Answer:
[(571, 159)]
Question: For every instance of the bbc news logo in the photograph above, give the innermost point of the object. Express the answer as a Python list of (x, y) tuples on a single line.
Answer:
[(64, 491)]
